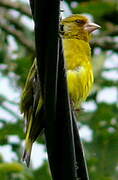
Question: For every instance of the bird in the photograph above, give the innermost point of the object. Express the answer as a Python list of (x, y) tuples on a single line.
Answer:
[(75, 32)]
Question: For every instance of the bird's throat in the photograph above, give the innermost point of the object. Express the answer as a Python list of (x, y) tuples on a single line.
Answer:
[(77, 53)]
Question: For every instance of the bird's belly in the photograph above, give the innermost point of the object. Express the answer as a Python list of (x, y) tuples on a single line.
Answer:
[(79, 84)]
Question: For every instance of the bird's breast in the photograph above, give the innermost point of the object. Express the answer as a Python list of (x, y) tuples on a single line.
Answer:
[(80, 83), (76, 53), (79, 70)]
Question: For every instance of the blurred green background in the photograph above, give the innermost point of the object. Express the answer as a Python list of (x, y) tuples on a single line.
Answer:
[(98, 122)]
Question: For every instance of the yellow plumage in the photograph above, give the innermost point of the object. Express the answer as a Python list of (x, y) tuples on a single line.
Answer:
[(76, 34), (79, 69), (75, 31)]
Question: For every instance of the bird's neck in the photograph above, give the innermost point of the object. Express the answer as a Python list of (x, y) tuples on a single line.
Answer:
[(77, 53)]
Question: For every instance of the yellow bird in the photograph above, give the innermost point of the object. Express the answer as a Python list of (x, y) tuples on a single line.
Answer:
[(75, 31)]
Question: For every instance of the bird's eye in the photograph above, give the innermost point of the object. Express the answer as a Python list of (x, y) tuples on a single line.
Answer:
[(79, 21)]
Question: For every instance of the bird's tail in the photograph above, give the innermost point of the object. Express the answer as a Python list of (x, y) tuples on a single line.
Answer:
[(28, 145), (27, 152), (34, 129)]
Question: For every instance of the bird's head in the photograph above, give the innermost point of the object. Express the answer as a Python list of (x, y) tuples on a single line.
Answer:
[(77, 27)]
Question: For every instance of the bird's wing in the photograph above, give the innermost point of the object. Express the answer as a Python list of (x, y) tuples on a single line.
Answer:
[(33, 110)]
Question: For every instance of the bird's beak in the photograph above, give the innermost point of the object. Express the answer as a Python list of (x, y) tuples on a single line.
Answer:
[(90, 27)]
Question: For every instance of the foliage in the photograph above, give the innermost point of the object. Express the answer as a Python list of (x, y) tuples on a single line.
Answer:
[(102, 120)]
